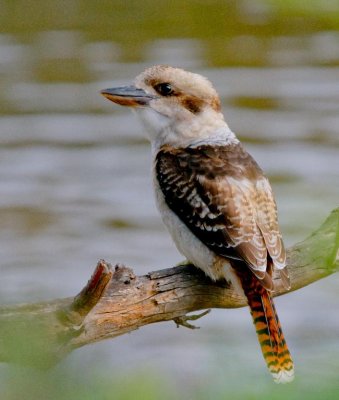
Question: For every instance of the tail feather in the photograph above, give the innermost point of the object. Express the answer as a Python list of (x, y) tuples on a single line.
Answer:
[(271, 338), (268, 328)]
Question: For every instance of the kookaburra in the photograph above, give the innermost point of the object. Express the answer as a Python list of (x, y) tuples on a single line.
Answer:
[(212, 195)]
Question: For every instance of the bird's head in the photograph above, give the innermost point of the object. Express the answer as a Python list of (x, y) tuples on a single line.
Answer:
[(177, 107)]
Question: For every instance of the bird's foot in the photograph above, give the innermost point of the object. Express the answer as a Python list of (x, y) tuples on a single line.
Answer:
[(183, 320)]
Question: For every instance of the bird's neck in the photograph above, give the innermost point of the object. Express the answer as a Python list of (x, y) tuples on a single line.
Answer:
[(205, 128)]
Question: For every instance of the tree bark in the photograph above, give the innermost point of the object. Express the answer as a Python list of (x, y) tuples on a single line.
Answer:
[(116, 301)]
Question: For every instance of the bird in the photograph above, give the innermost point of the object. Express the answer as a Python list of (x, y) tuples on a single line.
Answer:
[(213, 197)]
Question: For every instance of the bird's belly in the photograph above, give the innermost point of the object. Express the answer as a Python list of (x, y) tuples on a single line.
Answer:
[(190, 246)]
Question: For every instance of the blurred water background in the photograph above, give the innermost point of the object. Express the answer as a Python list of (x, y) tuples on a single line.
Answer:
[(75, 181)]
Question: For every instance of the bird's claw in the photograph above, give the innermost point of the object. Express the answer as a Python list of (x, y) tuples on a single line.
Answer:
[(183, 320)]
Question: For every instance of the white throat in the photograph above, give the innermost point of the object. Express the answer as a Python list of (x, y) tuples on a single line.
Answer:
[(208, 127)]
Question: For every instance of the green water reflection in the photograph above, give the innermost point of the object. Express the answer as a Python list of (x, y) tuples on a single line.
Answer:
[(75, 184)]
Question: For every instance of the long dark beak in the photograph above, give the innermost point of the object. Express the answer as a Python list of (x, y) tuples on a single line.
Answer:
[(128, 96)]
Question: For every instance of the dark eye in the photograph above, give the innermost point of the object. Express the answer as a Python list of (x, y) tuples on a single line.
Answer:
[(165, 89)]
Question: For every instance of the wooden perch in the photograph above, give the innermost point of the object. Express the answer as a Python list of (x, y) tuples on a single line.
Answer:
[(116, 301)]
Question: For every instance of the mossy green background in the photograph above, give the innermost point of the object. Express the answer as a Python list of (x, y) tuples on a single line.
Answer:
[(234, 34)]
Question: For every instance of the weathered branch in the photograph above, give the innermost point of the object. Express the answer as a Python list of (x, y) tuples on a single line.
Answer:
[(115, 301)]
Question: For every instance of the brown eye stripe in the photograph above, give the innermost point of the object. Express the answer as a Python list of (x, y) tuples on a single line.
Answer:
[(215, 104), (192, 104)]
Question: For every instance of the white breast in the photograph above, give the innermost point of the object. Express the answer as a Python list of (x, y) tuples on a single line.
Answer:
[(189, 245)]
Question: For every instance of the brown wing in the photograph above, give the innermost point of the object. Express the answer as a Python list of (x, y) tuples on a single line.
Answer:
[(221, 194), (267, 221)]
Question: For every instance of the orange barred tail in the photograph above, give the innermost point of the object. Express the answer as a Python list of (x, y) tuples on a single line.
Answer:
[(270, 335)]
